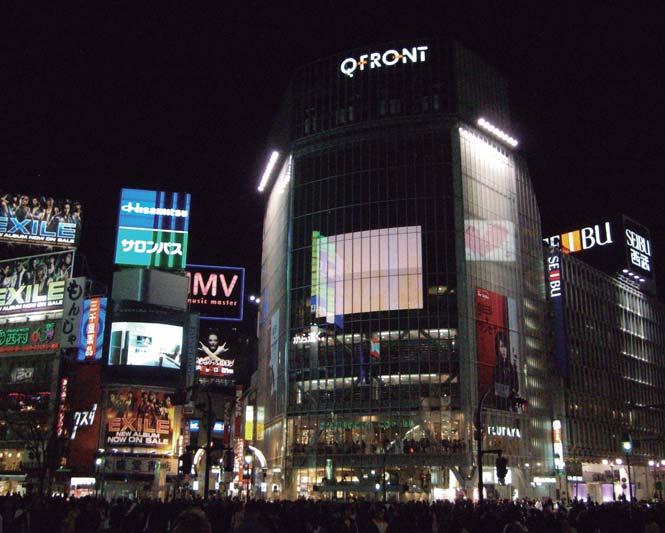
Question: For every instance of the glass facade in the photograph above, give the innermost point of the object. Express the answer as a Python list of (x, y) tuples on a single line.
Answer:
[(389, 214)]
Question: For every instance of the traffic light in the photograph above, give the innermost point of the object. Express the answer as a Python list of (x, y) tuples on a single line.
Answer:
[(228, 460), (501, 468), (627, 443), (185, 463)]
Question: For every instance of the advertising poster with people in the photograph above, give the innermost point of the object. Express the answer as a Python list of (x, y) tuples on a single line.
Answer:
[(43, 220), (139, 418), (34, 283), (497, 344), (215, 360)]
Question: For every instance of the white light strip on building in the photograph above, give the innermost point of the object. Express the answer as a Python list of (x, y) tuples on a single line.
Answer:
[(499, 134), (285, 176), (268, 170), (484, 144)]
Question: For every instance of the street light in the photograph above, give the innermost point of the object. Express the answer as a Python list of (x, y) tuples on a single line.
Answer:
[(627, 445)]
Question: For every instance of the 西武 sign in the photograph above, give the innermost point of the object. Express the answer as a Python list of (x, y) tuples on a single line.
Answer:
[(387, 58), (216, 292), (35, 283), (639, 251), (153, 229), (39, 220)]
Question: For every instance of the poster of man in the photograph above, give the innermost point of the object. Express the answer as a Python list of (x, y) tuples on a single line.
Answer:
[(215, 359), (497, 345), (139, 418)]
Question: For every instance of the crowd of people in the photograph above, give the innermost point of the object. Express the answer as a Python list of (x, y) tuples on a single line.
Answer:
[(405, 446), (54, 515)]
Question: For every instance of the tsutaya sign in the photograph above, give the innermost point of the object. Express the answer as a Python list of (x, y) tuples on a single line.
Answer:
[(582, 239), (389, 58), (503, 431)]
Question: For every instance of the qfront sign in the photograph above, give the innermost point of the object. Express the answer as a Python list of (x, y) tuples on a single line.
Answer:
[(388, 58), (153, 229), (26, 219), (582, 239), (216, 292)]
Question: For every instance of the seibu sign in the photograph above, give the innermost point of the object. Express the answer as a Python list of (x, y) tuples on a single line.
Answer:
[(389, 58), (216, 292), (582, 239)]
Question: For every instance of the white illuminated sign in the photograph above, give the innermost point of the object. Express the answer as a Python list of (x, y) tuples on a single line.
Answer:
[(582, 239), (503, 431), (559, 463), (83, 419), (306, 338), (388, 58), (639, 249)]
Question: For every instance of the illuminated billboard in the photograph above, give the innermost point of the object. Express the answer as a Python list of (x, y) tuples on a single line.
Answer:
[(638, 249), (216, 358), (34, 283), (91, 334), (216, 292), (153, 229), (365, 271), (39, 220), (497, 345), (139, 418), (145, 344), (489, 240), (28, 337), (583, 239)]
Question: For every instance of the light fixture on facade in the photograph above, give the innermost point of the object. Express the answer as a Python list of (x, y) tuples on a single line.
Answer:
[(498, 133), (268, 171)]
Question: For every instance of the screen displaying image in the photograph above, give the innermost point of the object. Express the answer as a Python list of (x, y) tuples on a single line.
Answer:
[(364, 271), (145, 344)]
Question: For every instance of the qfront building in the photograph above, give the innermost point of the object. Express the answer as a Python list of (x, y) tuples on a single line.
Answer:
[(402, 281)]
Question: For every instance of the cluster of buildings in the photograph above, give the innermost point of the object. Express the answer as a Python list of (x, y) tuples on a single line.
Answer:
[(410, 310)]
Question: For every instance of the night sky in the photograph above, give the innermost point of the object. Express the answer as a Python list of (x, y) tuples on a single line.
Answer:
[(108, 95)]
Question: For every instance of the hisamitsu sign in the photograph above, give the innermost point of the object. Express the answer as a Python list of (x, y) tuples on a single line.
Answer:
[(153, 229), (216, 292)]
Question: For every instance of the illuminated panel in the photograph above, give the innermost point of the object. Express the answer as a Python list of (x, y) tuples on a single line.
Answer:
[(268, 171), (365, 271), (145, 344), (153, 229), (498, 133)]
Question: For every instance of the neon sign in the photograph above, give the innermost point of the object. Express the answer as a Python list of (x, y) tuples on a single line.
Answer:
[(388, 58)]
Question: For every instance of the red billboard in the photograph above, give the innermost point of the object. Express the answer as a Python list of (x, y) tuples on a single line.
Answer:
[(497, 345)]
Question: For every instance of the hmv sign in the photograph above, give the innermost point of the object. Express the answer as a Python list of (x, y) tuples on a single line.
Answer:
[(216, 292)]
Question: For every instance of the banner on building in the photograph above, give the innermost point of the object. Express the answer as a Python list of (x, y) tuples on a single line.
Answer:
[(28, 337), (72, 312), (497, 344), (39, 220), (91, 332), (216, 357), (139, 418), (34, 283)]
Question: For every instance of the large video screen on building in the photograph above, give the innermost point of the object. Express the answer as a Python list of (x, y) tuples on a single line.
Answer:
[(41, 220), (216, 292), (34, 283), (145, 344), (153, 229), (138, 417), (216, 357), (364, 271), (497, 344)]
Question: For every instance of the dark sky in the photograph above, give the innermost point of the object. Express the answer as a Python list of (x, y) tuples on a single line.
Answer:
[(103, 97)]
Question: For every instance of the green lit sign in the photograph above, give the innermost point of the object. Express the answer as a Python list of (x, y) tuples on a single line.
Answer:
[(29, 338)]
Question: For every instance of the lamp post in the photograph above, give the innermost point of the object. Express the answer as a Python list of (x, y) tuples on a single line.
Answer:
[(249, 458), (627, 445)]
